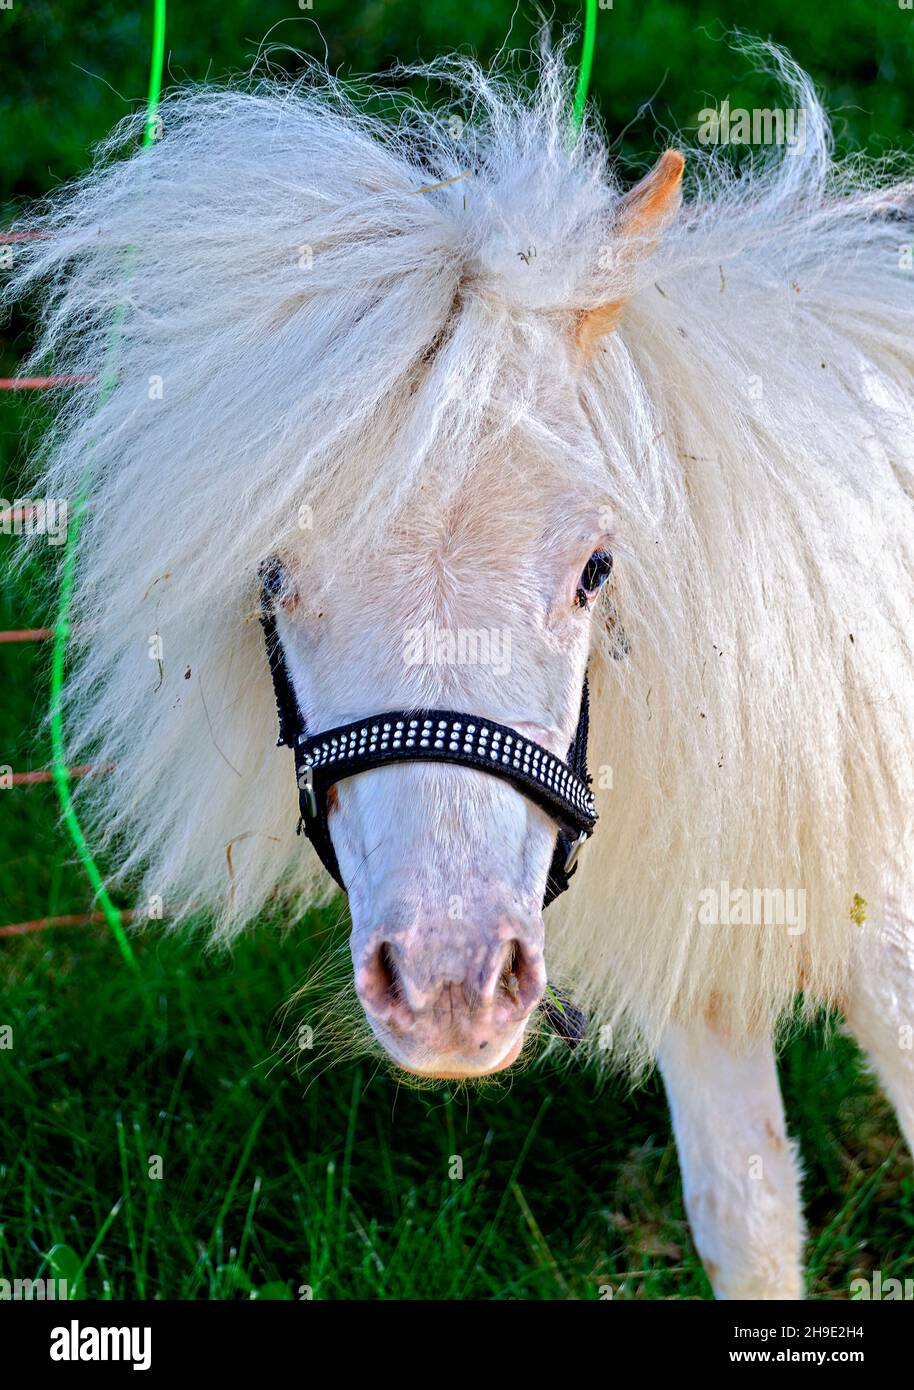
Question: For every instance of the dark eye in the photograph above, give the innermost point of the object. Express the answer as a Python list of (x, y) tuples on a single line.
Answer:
[(596, 572)]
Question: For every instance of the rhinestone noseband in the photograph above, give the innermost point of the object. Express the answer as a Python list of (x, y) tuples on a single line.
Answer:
[(444, 737), (441, 736)]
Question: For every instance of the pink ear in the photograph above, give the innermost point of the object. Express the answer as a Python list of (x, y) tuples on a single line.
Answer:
[(653, 202), (643, 213)]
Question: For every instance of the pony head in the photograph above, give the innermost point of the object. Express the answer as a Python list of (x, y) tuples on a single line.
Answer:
[(397, 328)]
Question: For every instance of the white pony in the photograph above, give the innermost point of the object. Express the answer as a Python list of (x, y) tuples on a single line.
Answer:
[(434, 365)]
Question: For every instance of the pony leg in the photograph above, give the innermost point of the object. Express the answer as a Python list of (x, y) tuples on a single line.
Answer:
[(740, 1173), (880, 1013)]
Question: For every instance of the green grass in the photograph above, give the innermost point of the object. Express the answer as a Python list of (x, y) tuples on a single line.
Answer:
[(278, 1174)]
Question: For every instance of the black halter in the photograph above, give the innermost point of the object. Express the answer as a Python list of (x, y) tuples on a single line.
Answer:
[(562, 789)]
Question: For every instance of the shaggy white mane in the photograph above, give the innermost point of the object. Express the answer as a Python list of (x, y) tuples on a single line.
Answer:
[(288, 265)]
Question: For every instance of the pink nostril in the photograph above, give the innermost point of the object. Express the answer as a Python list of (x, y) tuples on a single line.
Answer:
[(523, 976), (378, 983)]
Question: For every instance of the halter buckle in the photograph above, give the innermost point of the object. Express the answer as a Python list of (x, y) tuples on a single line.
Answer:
[(575, 851), (305, 780)]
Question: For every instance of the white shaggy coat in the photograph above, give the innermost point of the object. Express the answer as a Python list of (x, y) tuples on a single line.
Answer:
[(317, 305)]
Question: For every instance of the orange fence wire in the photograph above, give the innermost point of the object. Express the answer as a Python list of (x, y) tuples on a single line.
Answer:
[(25, 779), (42, 383), (43, 634), (76, 919)]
